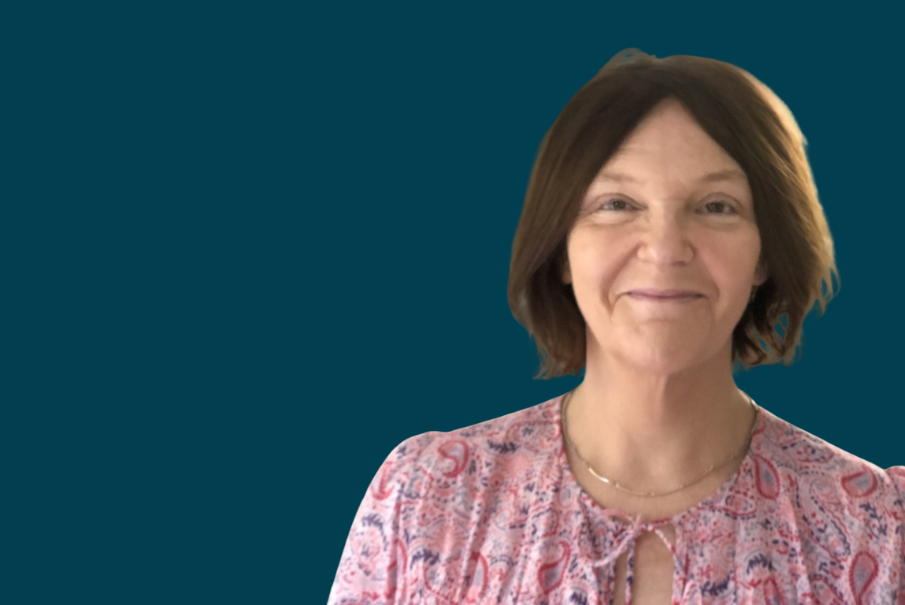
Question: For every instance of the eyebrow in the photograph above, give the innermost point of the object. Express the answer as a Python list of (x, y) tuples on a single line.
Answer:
[(714, 177)]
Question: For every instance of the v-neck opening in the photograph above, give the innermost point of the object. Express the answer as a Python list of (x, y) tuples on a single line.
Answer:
[(611, 515)]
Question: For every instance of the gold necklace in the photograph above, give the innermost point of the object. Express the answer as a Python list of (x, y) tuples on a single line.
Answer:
[(652, 494)]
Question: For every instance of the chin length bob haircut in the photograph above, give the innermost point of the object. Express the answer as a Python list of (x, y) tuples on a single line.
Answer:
[(751, 124)]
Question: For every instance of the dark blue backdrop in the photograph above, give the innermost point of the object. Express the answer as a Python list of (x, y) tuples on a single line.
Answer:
[(251, 249)]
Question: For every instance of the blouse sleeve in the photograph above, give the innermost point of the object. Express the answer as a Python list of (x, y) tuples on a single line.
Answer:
[(373, 561), (897, 473)]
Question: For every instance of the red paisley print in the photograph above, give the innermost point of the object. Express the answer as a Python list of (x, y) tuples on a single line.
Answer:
[(492, 514)]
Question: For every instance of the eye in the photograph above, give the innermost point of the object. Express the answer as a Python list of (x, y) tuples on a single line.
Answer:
[(614, 204), (720, 208)]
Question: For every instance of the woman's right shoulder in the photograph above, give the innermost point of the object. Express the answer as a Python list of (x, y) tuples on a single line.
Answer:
[(435, 490), (474, 451)]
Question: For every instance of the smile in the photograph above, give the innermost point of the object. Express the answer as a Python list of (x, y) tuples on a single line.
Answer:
[(686, 298)]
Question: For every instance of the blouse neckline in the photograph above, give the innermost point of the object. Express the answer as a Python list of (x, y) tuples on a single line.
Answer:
[(707, 503)]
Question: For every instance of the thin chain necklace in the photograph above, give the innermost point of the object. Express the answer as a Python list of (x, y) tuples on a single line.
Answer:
[(652, 494)]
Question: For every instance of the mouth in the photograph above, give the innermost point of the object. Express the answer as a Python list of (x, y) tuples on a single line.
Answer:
[(664, 296)]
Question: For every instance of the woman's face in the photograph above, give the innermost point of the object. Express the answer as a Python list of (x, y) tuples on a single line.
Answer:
[(654, 222)]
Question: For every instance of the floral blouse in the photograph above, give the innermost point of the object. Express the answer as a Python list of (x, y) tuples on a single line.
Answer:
[(493, 514)]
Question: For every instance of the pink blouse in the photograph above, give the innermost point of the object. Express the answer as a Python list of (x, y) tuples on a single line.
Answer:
[(492, 514)]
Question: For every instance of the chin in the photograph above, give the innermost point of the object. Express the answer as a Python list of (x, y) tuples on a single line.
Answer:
[(663, 358)]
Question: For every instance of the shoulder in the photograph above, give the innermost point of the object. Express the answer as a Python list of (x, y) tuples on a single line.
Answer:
[(437, 491), (835, 507), (897, 476), (441, 499), (803, 455), (470, 454), (842, 498)]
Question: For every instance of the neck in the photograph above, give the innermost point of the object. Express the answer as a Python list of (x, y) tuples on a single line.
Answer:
[(654, 431)]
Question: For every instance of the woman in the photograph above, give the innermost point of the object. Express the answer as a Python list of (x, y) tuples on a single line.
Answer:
[(671, 220)]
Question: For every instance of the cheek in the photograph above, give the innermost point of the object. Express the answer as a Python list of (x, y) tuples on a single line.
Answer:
[(732, 273), (593, 275), (736, 255), (594, 258)]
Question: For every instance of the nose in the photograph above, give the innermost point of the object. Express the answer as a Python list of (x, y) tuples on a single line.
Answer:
[(666, 240)]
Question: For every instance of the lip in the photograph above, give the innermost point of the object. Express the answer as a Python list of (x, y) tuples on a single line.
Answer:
[(654, 294)]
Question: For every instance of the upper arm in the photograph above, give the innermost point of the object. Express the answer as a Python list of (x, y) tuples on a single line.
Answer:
[(897, 474), (373, 560)]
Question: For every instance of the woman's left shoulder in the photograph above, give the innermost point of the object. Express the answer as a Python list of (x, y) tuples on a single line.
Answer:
[(808, 459)]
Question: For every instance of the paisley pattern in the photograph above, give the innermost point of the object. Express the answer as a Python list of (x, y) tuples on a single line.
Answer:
[(492, 514)]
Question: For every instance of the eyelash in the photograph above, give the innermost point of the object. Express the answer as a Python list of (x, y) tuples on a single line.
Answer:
[(725, 204)]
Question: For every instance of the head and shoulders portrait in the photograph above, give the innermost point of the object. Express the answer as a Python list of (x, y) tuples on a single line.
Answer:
[(671, 224)]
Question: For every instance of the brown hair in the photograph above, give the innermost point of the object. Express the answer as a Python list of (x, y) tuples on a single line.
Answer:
[(751, 124)]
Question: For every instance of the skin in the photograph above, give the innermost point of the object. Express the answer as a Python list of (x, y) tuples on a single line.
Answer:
[(658, 404)]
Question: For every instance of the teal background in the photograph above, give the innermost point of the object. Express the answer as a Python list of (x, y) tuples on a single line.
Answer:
[(250, 249)]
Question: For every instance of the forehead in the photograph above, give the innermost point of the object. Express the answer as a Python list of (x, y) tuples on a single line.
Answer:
[(669, 144)]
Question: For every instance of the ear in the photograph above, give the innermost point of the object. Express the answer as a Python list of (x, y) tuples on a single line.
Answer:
[(761, 274)]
